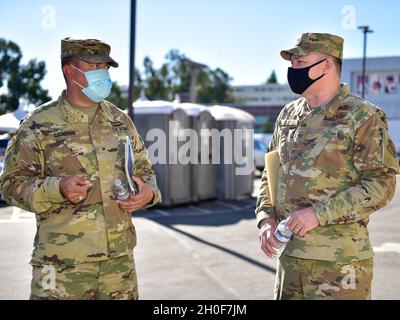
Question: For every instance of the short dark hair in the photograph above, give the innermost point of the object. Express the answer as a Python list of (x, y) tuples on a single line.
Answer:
[(64, 61), (67, 60), (336, 61)]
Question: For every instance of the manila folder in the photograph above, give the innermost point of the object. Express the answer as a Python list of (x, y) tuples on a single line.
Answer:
[(272, 166)]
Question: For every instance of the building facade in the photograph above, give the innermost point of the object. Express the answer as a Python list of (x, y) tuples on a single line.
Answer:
[(382, 87), (264, 102), (382, 82)]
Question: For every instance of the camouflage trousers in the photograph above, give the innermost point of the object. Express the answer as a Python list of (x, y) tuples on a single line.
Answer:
[(101, 280), (299, 279)]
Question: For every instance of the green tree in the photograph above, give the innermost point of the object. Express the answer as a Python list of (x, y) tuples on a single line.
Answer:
[(272, 78), (119, 98), (156, 81), (179, 72), (116, 96), (214, 87), (175, 75), (22, 81)]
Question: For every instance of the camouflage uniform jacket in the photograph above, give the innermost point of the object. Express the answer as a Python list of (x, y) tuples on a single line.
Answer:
[(339, 159), (56, 141)]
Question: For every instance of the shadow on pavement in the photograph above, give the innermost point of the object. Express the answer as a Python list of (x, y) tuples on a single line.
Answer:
[(211, 219), (217, 219), (226, 250)]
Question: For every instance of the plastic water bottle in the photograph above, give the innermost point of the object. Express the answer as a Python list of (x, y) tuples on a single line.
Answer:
[(283, 235), (121, 191)]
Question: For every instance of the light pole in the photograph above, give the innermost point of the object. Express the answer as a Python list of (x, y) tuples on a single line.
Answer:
[(132, 59), (365, 30)]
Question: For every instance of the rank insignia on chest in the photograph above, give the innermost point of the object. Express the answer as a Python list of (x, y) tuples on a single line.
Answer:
[(65, 133), (120, 129)]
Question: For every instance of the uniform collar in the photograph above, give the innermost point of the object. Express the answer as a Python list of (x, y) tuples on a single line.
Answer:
[(74, 115), (329, 109)]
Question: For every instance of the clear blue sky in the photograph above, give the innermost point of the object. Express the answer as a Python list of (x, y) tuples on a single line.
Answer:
[(243, 37)]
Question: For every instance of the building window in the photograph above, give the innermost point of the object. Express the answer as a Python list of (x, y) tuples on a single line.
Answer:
[(378, 83)]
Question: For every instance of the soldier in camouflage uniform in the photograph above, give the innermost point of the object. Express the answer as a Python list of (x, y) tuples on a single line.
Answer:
[(61, 165), (337, 166)]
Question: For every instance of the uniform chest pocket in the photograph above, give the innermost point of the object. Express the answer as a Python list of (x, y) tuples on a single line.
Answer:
[(316, 142), (120, 131), (70, 155)]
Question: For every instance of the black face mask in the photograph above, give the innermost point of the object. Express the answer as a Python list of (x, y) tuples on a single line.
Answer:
[(299, 80)]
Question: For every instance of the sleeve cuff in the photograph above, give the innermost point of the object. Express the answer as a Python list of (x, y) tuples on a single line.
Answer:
[(156, 197), (321, 212), (51, 189), (264, 214)]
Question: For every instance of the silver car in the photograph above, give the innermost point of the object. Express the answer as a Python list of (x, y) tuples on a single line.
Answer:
[(261, 142)]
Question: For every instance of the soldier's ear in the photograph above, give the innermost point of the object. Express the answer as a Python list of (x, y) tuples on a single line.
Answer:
[(67, 71), (328, 65)]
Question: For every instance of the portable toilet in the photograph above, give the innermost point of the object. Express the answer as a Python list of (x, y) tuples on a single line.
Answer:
[(236, 152), (160, 124), (203, 171)]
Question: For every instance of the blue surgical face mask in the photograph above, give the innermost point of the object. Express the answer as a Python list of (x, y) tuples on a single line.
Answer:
[(99, 84)]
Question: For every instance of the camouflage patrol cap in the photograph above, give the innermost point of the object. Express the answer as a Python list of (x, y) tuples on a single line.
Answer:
[(316, 42), (88, 50)]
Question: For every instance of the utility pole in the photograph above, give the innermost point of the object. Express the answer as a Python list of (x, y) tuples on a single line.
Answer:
[(132, 59), (365, 30)]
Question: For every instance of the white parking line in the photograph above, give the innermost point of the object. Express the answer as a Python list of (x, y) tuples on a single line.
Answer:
[(202, 210), (388, 247), (162, 212), (229, 205)]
